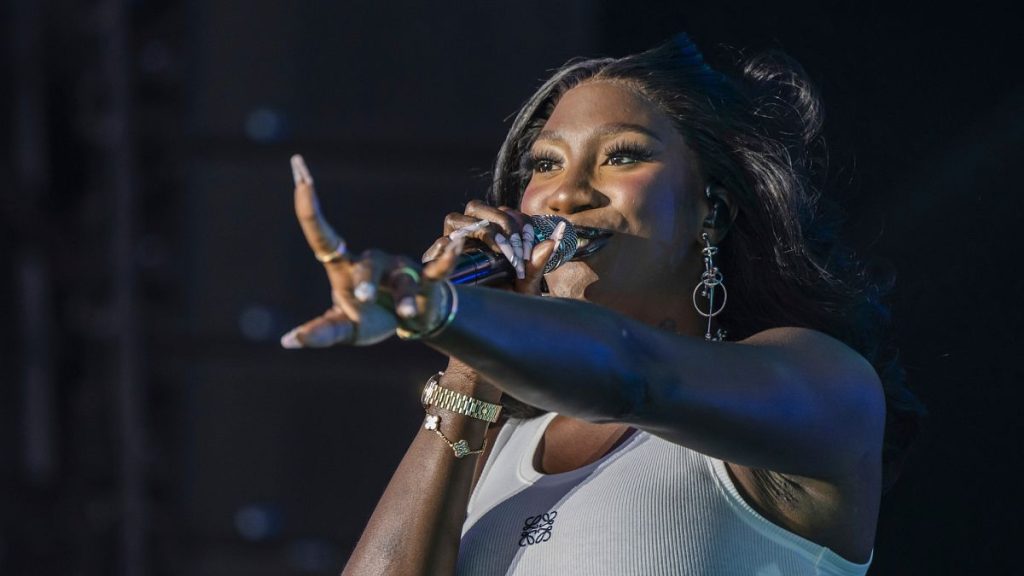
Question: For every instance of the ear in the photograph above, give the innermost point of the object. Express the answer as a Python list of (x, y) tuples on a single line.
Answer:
[(721, 212)]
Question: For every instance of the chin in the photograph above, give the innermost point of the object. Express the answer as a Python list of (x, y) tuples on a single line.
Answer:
[(571, 280)]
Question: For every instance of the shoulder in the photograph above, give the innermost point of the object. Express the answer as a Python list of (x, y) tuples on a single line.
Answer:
[(822, 361), (844, 386), (839, 511), (806, 340)]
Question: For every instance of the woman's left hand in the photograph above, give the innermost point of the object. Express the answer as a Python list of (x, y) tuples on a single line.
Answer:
[(372, 293)]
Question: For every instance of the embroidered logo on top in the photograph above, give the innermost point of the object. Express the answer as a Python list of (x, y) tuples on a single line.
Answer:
[(537, 529)]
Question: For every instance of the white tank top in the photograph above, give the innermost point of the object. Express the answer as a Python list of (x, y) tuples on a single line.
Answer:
[(648, 507)]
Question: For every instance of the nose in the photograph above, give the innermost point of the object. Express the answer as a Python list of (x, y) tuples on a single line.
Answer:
[(575, 193)]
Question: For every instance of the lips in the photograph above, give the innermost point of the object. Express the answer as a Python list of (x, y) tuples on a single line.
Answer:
[(591, 240)]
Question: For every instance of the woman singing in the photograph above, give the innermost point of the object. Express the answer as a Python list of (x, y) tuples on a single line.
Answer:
[(703, 389)]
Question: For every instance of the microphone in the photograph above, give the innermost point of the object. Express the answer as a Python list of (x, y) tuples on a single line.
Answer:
[(484, 267)]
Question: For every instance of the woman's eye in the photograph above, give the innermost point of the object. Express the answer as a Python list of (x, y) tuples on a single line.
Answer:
[(627, 154), (621, 160), (543, 163), (543, 166)]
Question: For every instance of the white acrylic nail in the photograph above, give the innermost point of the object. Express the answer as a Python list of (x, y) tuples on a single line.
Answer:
[(291, 339), (456, 245), (506, 248), (407, 307), (517, 249), (365, 292), (556, 237), (517, 244), (299, 171), (469, 229), (559, 231), (528, 238)]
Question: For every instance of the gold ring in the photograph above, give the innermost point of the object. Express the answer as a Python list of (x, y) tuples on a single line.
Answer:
[(333, 256)]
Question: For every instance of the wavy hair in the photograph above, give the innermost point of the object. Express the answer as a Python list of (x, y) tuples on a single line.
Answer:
[(757, 132)]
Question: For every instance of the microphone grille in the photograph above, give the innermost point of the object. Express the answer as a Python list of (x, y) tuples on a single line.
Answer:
[(544, 226)]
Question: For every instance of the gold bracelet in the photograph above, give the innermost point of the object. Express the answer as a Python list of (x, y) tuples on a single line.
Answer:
[(452, 301), (460, 448)]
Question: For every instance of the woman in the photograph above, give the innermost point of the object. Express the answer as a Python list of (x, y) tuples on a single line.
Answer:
[(636, 441)]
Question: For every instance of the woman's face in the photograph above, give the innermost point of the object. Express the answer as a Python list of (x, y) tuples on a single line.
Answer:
[(608, 158)]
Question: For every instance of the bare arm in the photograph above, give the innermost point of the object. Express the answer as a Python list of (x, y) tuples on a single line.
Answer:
[(417, 524), (790, 400)]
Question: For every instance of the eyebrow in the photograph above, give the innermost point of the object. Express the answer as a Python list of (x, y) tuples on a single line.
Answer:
[(603, 132)]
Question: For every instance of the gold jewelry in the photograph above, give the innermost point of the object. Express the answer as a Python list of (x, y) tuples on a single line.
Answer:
[(460, 447), (438, 396), (337, 254), (450, 298)]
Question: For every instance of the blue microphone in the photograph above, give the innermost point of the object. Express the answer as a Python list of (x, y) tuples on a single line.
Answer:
[(484, 267)]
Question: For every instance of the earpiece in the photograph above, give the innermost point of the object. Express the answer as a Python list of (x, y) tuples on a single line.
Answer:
[(718, 215)]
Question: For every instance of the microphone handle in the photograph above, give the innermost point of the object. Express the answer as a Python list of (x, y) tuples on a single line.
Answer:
[(488, 268), (483, 268)]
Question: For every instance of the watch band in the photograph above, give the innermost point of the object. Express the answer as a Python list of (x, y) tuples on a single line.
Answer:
[(440, 397)]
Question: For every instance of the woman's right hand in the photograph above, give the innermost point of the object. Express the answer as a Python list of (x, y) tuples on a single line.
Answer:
[(501, 230), (505, 231)]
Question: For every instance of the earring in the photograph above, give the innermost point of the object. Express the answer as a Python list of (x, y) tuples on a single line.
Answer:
[(710, 282)]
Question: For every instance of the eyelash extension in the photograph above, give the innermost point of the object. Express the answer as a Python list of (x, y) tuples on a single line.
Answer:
[(634, 150), (530, 159)]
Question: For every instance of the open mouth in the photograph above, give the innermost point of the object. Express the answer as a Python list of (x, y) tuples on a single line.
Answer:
[(590, 241)]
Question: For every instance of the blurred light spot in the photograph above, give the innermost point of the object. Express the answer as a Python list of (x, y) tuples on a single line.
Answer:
[(256, 323), (264, 125), (258, 521)]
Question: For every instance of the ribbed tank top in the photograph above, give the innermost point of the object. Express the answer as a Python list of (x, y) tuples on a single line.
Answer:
[(648, 507)]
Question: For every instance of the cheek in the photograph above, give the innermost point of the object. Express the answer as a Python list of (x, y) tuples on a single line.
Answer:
[(654, 200), (532, 201)]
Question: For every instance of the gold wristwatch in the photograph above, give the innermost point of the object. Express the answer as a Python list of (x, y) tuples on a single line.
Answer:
[(436, 395)]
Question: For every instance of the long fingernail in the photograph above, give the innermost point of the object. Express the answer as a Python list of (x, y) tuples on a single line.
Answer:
[(517, 244), (469, 229), (299, 170), (407, 307), (456, 245), (528, 239), (365, 292), (517, 248), (559, 231), (506, 248), (291, 339), (556, 237)]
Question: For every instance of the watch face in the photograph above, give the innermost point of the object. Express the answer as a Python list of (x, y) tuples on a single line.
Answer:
[(428, 391)]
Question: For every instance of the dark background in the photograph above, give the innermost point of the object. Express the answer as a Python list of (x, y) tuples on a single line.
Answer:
[(149, 421)]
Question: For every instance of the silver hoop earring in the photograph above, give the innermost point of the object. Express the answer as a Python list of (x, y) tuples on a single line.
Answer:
[(710, 282)]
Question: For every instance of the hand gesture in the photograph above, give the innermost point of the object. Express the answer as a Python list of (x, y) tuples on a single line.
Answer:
[(371, 294)]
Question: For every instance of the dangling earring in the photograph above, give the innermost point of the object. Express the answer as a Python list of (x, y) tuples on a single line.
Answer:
[(710, 282)]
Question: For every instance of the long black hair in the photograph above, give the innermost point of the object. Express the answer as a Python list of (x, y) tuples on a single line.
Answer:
[(756, 131)]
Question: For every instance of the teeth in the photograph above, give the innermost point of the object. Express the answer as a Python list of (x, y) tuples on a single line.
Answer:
[(587, 246)]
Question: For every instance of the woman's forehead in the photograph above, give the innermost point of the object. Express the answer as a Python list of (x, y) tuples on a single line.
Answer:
[(606, 107)]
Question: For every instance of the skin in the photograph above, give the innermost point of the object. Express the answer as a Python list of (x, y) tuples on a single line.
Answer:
[(653, 205), (797, 416)]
